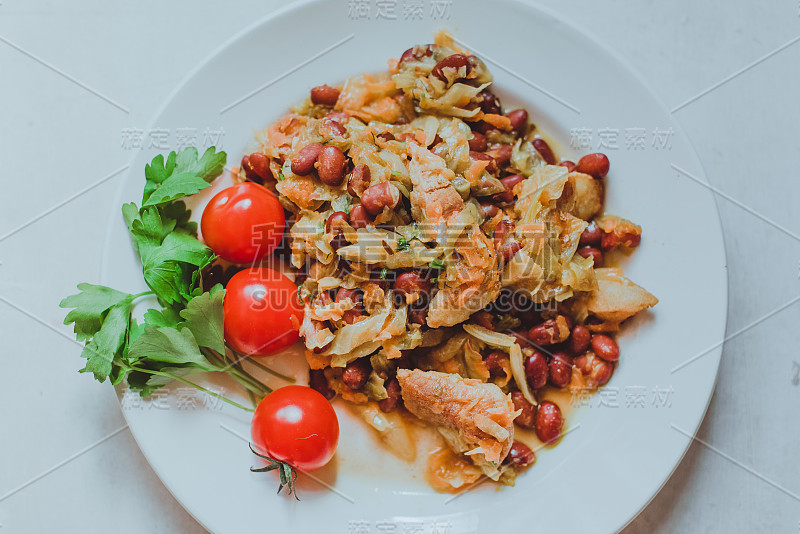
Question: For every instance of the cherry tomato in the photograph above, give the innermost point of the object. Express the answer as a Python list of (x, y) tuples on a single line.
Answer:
[(296, 425), (243, 223), (262, 312)]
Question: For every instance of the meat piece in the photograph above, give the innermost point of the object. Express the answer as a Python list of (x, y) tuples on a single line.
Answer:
[(433, 199), (587, 196), (477, 283), (617, 298), (481, 414)]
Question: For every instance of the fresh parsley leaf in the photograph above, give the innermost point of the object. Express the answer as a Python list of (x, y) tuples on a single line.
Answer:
[(168, 345), (384, 271), (204, 317), (437, 264), (90, 306), (163, 250), (166, 317), (106, 343), (402, 244), (175, 187), (178, 212), (178, 248), (182, 174)]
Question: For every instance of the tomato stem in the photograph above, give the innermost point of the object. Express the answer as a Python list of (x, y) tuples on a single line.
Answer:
[(286, 473)]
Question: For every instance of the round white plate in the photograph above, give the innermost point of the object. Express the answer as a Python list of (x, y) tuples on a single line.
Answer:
[(625, 444)]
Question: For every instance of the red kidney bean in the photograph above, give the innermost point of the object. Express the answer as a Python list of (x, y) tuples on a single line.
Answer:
[(410, 283), (528, 315), (483, 127), (331, 164), (478, 142), (540, 335), (330, 127), (520, 455), (318, 382), (544, 150), (490, 103), (508, 182), (519, 337), (359, 218), (394, 400), (501, 231), (579, 340), (256, 168), (509, 250), (491, 168), (379, 196), (501, 154), (386, 136), (526, 419), (596, 370), (519, 120), (549, 332), (560, 369), (489, 210), (596, 254), (494, 363), (356, 373), (335, 220), (354, 294), (455, 61), (350, 316), (418, 315), (591, 236), (338, 116), (324, 95), (359, 180), (483, 318), (605, 347), (612, 240), (596, 165), (303, 162), (418, 52), (536, 370), (405, 137), (570, 165), (549, 422)]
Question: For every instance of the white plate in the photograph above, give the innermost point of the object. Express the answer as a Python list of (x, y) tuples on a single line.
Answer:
[(604, 471)]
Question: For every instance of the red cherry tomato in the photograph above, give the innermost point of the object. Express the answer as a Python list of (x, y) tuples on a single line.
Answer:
[(262, 312), (243, 223), (296, 425)]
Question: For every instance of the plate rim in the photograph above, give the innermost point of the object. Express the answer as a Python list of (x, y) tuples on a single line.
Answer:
[(547, 11)]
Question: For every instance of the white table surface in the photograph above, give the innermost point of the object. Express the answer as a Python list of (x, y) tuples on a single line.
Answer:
[(58, 138)]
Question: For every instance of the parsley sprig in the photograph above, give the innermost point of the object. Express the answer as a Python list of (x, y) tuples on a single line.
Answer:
[(184, 334)]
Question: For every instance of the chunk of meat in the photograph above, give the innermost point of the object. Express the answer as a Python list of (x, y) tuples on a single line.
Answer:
[(434, 200), (587, 196), (477, 281), (617, 298), (480, 412)]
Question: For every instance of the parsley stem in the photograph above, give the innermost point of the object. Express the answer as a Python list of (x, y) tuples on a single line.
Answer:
[(263, 367), (234, 369), (189, 383), (142, 294)]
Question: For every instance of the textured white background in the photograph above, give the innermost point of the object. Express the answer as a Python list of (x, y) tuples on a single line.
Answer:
[(57, 139)]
